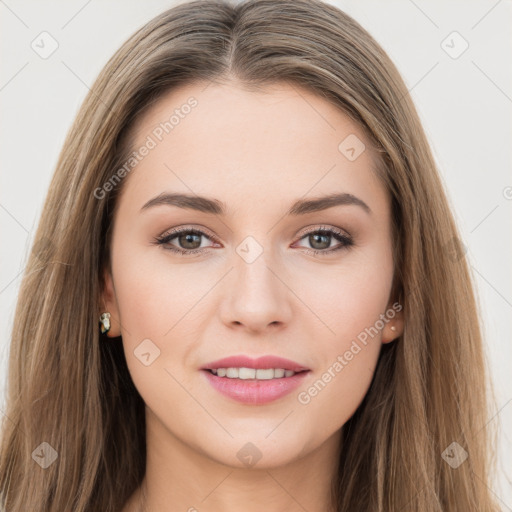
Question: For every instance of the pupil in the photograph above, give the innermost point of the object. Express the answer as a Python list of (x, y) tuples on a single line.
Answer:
[(314, 238), (190, 238)]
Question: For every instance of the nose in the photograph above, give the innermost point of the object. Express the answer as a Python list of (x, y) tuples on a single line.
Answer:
[(257, 297)]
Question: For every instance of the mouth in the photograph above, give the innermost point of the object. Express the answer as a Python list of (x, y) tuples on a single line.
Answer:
[(256, 374), (241, 366), (254, 381)]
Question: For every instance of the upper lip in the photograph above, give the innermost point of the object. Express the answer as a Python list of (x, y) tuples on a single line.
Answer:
[(263, 362)]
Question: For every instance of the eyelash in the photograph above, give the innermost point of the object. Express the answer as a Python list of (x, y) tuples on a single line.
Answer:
[(346, 241)]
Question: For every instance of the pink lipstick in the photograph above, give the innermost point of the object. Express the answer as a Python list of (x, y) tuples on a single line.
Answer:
[(254, 381)]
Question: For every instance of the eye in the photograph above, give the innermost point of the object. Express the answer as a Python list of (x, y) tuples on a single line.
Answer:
[(321, 238), (188, 239), (190, 243)]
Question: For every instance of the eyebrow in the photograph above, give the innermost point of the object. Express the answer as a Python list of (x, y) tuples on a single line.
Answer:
[(216, 207)]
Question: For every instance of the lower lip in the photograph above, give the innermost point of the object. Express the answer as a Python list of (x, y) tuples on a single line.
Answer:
[(255, 392)]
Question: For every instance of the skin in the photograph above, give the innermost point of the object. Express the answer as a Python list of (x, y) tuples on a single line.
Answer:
[(258, 152)]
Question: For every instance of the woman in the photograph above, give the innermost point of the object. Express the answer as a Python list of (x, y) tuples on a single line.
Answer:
[(248, 204)]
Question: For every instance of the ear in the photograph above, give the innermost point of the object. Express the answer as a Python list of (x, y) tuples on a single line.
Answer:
[(109, 303), (394, 327)]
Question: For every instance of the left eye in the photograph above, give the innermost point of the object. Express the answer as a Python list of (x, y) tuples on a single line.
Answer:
[(189, 241), (321, 239)]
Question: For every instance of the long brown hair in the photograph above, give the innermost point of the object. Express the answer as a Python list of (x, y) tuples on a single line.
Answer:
[(70, 388)]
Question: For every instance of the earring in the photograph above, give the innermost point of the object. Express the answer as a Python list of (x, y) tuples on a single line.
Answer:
[(393, 328), (105, 322)]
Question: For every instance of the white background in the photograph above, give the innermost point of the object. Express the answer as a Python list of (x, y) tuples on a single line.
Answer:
[(465, 105)]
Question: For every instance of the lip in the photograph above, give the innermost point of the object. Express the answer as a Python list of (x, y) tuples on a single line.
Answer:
[(263, 362), (252, 391)]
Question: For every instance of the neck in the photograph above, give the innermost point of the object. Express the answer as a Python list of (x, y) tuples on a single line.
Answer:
[(179, 478)]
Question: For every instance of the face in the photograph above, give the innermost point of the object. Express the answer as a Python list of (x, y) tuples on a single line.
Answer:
[(251, 273)]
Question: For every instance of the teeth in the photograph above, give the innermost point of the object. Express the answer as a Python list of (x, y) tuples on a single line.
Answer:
[(232, 373), (251, 373), (244, 373)]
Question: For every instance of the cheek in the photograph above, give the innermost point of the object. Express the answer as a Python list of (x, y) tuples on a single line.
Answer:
[(353, 297), (346, 298), (347, 358), (160, 308), (361, 297), (153, 300), (152, 293)]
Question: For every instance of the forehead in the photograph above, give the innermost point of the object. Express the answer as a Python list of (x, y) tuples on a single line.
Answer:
[(242, 145)]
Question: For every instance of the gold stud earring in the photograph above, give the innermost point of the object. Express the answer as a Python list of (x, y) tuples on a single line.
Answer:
[(105, 322)]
